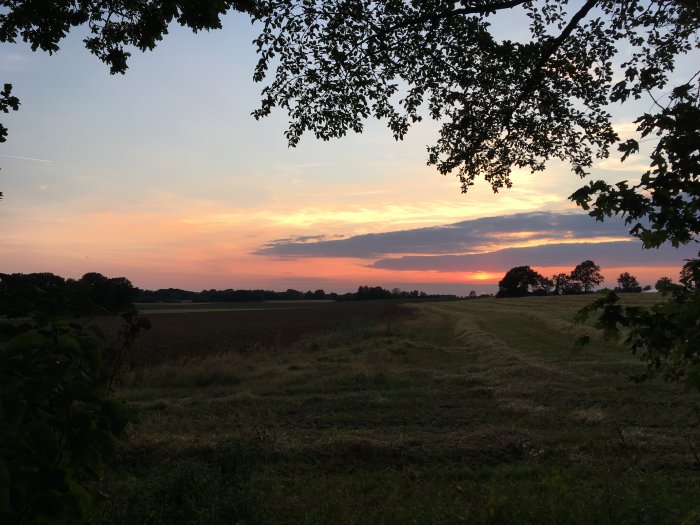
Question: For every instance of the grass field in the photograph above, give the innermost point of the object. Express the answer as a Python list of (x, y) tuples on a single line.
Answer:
[(459, 412)]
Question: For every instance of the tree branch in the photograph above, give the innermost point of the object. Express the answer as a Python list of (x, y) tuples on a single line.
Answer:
[(554, 44), (435, 16)]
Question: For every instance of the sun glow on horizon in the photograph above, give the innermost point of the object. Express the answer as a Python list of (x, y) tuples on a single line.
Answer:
[(482, 276)]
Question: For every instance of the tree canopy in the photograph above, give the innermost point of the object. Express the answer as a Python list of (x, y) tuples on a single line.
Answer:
[(564, 285), (588, 275), (626, 282), (502, 104), (92, 294), (114, 26), (521, 281), (664, 285)]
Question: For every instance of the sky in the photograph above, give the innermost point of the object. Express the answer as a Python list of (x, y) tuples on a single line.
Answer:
[(162, 176)]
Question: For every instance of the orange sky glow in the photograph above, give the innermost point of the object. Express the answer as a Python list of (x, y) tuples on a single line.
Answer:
[(162, 176)]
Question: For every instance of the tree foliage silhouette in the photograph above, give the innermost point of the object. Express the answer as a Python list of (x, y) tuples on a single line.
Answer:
[(664, 285), (626, 282), (666, 336), (521, 281), (501, 104), (114, 26), (588, 275), (59, 417), (564, 285)]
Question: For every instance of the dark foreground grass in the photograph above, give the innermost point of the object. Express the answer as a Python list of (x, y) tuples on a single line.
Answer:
[(465, 412)]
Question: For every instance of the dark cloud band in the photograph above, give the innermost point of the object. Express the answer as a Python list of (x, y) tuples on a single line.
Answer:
[(605, 254), (458, 238)]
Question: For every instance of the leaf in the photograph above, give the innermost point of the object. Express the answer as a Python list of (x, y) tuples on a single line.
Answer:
[(97, 331), (40, 436), (105, 441), (83, 496), (12, 409), (692, 380), (92, 352), (69, 346), (26, 342), (630, 147), (5, 482), (118, 414)]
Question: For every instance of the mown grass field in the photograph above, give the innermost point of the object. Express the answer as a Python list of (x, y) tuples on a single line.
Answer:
[(458, 412)]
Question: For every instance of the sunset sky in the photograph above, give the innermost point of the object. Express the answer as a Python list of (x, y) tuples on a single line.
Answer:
[(162, 176)]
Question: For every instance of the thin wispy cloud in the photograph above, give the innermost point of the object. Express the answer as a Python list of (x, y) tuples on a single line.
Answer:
[(32, 159), (288, 169), (633, 166), (300, 239), (12, 62), (626, 129), (341, 217)]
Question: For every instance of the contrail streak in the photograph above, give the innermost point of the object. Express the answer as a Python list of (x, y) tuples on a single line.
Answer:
[(24, 158)]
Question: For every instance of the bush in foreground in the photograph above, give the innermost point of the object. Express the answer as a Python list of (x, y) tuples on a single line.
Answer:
[(59, 418)]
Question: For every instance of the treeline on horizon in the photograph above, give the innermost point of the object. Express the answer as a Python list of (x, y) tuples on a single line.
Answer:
[(522, 281), (46, 292), (174, 295), (117, 294)]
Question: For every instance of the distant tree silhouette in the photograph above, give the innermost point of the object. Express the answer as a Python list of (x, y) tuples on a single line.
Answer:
[(521, 281), (175, 295), (93, 293), (115, 295), (588, 275), (664, 285), (168, 295), (563, 284), (293, 294), (372, 292), (628, 283)]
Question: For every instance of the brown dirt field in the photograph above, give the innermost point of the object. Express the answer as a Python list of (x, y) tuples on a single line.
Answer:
[(178, 336)]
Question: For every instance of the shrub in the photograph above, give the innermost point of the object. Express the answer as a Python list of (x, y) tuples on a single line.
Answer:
[(59, 418), (666, 336)]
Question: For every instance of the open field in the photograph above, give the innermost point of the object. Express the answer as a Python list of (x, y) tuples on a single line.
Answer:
[(171, 308), (190, 333), (458, 412), (168, 308)]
